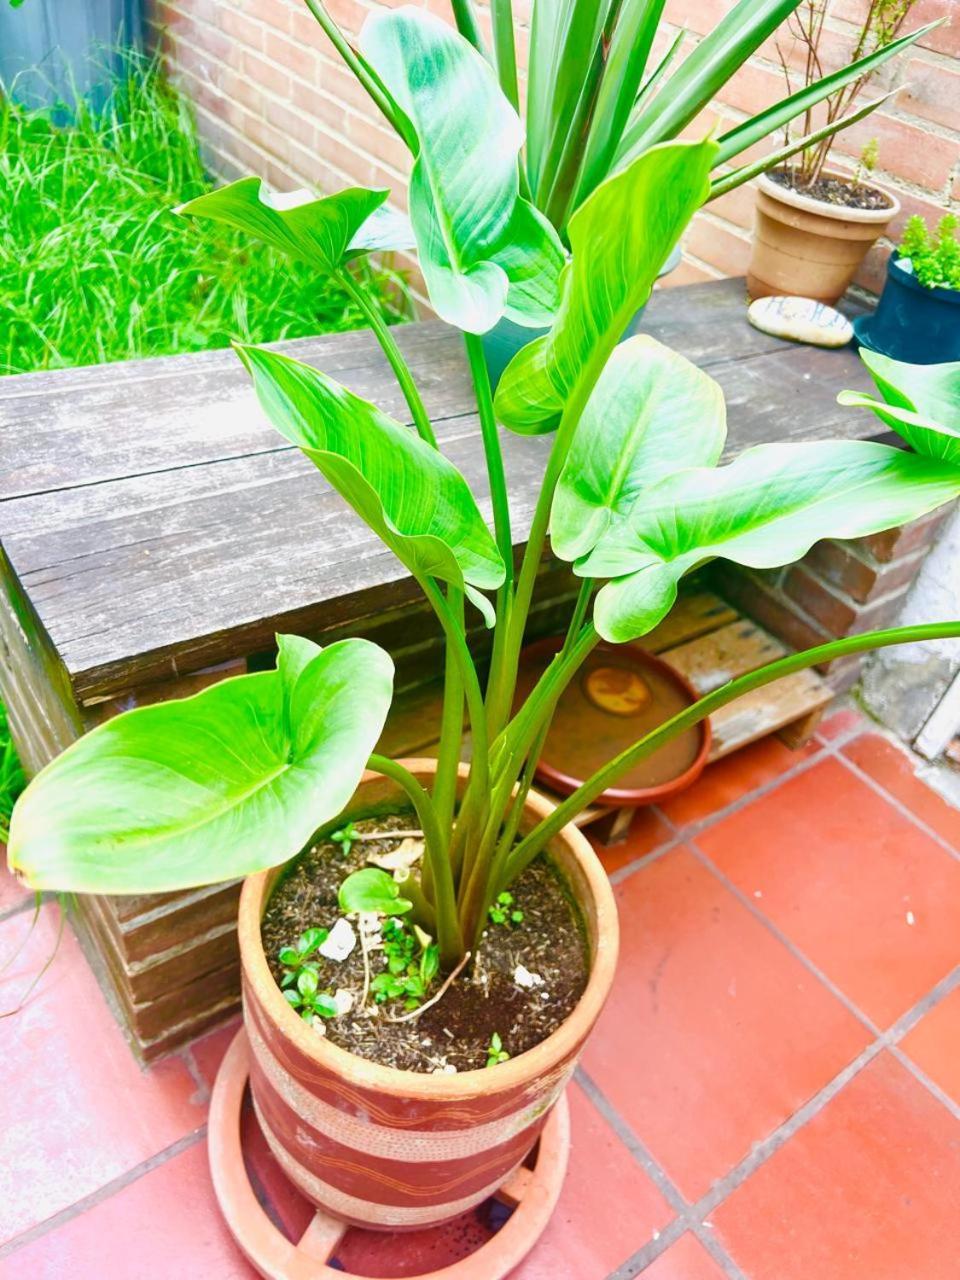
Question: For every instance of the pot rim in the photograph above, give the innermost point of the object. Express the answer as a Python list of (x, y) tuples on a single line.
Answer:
[(906, 278), (508, 1076), (841, 212), (630, 797)]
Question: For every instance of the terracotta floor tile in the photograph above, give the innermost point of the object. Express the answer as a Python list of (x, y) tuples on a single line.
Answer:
[(869, 1189), (685, 1260), (647, 831), (164, 1226), (934, 1044), (76, 1110), (869, 897), (714, 1033), (894, 769), (732, 778), (608, 1209), (839, 722)]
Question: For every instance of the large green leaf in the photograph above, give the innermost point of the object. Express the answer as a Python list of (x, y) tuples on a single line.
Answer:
[(415, 500), (562, 69), (709, 66), (483, 250), (324, 232), (765, 509), (208, 788), (626, 60), (921, 402), (651, 413), (620, 238)]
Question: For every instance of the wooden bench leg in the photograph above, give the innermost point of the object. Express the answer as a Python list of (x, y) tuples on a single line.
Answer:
[(614, 825)]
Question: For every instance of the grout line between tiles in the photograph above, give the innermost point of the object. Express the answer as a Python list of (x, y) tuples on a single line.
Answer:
[(644, 860), (692, 1217), (898, 804), (105, 1192), (29, 903), (202, 1096)]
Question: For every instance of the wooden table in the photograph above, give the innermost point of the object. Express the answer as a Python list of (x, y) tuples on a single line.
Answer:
[(154, 526)]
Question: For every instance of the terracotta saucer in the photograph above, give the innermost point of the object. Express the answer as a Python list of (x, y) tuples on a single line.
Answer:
[(620, 694), (531, 1194)]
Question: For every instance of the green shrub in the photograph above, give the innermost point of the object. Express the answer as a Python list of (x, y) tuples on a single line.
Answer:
[(935, 259), (94, 266)]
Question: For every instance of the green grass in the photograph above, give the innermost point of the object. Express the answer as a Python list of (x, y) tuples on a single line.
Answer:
[(11, 776), (95, 267)]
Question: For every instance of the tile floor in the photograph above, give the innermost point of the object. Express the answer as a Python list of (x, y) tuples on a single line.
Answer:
[(772, 1094)]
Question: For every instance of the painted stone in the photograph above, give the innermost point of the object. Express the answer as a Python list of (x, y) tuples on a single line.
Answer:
[(801, 320)]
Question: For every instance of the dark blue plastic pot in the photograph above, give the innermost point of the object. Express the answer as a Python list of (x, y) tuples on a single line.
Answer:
[(505, 339), (912, 323)]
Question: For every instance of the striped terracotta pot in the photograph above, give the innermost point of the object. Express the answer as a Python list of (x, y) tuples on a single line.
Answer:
[(392, 1149)]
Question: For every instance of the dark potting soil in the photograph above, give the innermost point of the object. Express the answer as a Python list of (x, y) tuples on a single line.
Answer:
[(834, 191), (485, 999)]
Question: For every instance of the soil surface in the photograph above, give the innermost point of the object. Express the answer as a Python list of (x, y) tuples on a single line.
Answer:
[(453, 1034), (834, 191)]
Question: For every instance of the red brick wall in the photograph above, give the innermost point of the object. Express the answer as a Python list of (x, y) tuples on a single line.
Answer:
[(272, 98)]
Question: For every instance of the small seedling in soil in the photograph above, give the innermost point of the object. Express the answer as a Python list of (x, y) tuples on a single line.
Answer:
[(496, 1054), (501, 913), (407, 976), (345, 838), (300, 983)]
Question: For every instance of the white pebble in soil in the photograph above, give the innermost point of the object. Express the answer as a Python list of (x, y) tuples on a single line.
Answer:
[(340, 942)]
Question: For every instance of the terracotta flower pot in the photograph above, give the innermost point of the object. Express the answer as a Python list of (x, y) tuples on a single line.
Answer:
[(808, 247), (391, 1149)]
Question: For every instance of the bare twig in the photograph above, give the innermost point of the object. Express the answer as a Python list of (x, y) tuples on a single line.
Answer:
[(415, 1013)]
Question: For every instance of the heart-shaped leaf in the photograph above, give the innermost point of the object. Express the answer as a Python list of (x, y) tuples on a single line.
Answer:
[(409, 494), (921, 402), (208, 788), (323, 232), (620, 237), (484, 251), (767, 508), (651, 413), (371, 889)]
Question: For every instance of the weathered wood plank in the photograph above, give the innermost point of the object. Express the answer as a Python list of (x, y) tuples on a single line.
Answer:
[(159, 524)]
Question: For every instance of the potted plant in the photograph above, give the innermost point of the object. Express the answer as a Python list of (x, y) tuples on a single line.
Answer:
[(596, 100), (274, 775), (918, 315), (815, 223)]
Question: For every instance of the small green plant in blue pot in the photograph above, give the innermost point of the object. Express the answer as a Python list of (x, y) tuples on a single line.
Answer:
[(918, 315)]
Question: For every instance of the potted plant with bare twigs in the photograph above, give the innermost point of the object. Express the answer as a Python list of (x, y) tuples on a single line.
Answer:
[(815, 223), (426, 944)]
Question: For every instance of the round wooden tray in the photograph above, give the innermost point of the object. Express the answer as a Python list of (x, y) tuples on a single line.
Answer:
[(531, 1193), (609, 704)]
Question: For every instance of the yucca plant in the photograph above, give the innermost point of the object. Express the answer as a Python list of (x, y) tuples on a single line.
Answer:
[(595, 101), (239, 777)]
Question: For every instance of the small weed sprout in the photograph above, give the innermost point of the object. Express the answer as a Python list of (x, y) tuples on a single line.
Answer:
[(867, 162), (408, 976), (345, 838), (496, 1054), (300, 982), (501, 913)]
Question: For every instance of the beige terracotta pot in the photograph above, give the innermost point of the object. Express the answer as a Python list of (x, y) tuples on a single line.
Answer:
[(807, 247), (394, 1149)]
